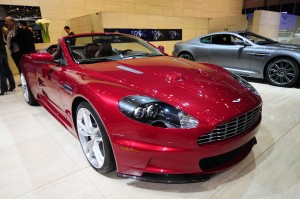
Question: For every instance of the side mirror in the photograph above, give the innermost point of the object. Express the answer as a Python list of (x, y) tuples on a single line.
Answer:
[(42, 57), (161, 49)]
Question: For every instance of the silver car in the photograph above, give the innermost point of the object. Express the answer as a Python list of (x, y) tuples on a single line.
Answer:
[(246, 54)]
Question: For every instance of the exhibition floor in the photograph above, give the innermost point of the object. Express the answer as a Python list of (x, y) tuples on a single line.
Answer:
[(40, 159)]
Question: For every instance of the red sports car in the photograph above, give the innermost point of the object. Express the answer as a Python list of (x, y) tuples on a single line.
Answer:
[(150, 116)]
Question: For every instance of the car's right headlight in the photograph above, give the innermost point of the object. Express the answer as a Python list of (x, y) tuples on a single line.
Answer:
[(155, 113)]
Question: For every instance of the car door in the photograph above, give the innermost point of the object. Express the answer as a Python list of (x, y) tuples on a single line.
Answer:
[(200, 49), (227, 50), (49, 82)]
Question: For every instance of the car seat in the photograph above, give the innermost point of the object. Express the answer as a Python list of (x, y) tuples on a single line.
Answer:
[(104, 50)]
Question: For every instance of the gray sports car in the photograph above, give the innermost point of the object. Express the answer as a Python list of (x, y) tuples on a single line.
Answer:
[(246, 54)]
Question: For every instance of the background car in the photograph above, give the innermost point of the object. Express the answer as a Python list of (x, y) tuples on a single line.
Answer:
[(140, 112), (246, 54)]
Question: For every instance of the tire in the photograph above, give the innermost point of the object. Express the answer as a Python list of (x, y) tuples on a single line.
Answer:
[(94, 139), (282, 72), (187, 56), (28, 96)]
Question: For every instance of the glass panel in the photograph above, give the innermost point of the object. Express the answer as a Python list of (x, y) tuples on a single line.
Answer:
[(106, 47), (206, 40), (221, 39)]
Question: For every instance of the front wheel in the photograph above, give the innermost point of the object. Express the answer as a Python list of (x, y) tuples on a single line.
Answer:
[(28, 96), (187, 56), (94, 139), (282, 72)]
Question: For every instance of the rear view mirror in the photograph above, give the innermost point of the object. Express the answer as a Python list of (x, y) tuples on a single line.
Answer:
[(42, 57)]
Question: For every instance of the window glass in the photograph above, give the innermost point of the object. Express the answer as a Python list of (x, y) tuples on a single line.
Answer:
[(235, 39), (206, 40), (108, 47), (257, 39), (221, 39)]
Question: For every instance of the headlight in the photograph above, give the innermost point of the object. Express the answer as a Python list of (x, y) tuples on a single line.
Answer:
[(156, 113), (244, 83)]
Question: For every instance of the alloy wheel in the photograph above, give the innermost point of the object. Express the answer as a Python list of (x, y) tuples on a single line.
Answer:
[(90, 137), (282, 72), (24, 88), (186, 56)]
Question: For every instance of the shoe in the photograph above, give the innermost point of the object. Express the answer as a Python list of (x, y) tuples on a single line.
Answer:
[(11, 89), (3, 92), (19, 85)]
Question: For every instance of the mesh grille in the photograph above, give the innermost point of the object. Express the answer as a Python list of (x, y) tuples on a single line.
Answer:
[(232, 128)]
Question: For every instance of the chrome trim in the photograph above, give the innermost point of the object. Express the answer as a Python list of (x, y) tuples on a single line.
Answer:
[(232, 128), (259, 54), (130, 69), (66, 87)]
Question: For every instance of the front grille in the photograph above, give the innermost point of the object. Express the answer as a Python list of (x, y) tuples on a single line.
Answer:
[(232, 128)]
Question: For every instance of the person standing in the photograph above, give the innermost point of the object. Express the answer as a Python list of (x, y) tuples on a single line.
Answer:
[(11, 41), (68, 30), (70, 33), (5, 72), (25, 39)]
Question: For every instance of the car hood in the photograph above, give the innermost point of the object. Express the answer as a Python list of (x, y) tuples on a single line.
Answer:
[(202, 90)]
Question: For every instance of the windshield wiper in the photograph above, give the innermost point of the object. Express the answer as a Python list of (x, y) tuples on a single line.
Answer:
[(155, 55), (105, 59), (143, 55), (273, 42), (99, 59), (135, 55)]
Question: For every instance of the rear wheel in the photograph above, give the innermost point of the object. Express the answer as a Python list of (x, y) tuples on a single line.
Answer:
[(187, 56), (28, 96), (94, 139), (282, 72)]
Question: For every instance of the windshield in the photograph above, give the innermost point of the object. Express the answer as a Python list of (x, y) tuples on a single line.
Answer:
[(108, 47), (257, 39)]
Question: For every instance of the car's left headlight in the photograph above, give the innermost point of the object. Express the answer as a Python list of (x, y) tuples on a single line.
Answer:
[(155, 113), (244, 83)]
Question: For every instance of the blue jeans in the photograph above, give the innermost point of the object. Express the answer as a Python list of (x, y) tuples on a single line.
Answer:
[(5, 73)]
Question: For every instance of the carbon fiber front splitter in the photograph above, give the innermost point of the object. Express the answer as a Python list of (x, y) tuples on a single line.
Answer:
[(169, 179)]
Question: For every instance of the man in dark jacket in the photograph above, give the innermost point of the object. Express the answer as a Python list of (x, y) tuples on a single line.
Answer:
[(20, 40), (68, 30), (25, 39), (5, 72)]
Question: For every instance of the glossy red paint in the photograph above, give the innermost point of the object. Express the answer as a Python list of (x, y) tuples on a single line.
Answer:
[(41, 57), (202, 90)]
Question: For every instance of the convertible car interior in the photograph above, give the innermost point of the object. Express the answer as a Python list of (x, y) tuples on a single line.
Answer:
[(89, 49)]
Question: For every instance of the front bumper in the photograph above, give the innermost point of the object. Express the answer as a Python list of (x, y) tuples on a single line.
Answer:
[(135, 158), (229, 159)]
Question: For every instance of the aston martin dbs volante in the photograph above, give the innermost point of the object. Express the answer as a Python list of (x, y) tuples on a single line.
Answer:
[(245, 54), (143, 113)]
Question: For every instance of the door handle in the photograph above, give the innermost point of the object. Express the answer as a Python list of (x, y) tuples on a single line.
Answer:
[(258, 54)]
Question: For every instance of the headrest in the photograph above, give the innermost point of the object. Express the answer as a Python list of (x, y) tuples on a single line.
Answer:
[(105, 50)]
